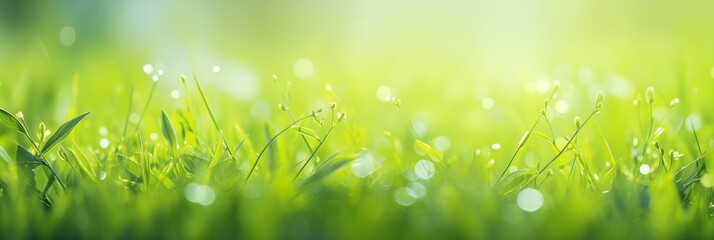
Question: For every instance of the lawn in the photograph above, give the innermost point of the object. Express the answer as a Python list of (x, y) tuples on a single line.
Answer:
[(356, 120)]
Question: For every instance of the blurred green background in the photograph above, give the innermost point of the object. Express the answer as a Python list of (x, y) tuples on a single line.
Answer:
[(469, 74), (429, 53)]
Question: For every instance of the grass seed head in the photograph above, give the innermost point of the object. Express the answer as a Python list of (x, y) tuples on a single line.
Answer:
[(578, 123), (674, 101), (600, 96), (650, 95)]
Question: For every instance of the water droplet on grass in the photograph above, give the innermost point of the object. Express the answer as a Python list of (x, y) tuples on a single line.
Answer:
[(420, 128), (693, 119), (154, 136), (364, 165), (200, 194), (175, 94), (645, 169), (487, 103), (67, 36), (442, 143), (103, 131), (530, 200), (424, 169), (496, 146), (384, 94), (216, 69), (102, 175), (148, 69), (155, 78), (104, 143), (562, 106), (134, 118), (403, 196), (542, 86), (418, 190), (303, 69)]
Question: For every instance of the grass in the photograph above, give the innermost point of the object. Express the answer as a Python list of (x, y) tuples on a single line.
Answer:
[(315, 174)]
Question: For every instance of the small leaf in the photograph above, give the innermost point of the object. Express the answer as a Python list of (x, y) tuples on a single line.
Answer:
[(516, 181), (422, 148), (167, 128), (11, 121), (217, 155), (332, 164), (62, 132), (306, 132)]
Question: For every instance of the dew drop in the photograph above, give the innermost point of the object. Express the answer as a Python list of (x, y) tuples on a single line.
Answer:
[(404, 196), (487, 103), (530, 200), (442, 143), (148, 69), (364, 165), (303, 69), (384, 94), (103, 131), (424, 169), (645, 169), (67, 36), (104, 143), (562, 106)]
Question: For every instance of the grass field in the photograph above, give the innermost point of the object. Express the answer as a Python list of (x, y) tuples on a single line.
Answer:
[(356, 120)]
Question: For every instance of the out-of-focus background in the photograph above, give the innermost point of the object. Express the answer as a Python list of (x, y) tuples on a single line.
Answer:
[(477, 64)]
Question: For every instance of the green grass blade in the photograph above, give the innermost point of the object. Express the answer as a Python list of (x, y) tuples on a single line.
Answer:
[(11, 121), (167, 128), (62, 132), (4, 156)]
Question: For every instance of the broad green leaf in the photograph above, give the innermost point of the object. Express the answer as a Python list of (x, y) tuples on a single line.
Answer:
[(167, 128), (24, 157), (422, 148), (11, 121), (27, 161), (62, 132)]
